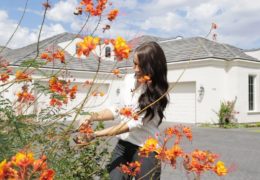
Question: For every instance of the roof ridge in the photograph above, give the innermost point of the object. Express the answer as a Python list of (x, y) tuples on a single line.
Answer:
[(225, 46), (53, 39), (204, 47)]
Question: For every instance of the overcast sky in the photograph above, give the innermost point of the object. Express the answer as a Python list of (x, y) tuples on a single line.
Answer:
[(238, 20)]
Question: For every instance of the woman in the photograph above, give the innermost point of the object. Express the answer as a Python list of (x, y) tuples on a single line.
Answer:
[(149, 61)]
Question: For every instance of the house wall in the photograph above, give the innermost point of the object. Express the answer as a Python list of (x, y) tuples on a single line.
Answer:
[(238, 78), (212, 77), (221, 80)]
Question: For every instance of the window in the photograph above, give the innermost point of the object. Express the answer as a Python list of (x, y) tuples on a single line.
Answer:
[(251, 92), (108, 52)]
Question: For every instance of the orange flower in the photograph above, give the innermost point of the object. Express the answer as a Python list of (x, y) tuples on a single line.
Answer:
[(201, 161), (7, 172), (57, 87), (4, 77), (23, 159), (86, 128), (2, 169), (171, 131), (47, 175), (89, 6), (199, 155), (62, 89), (87, 45), (126, 111), (73, 91), (25, 97), (196, 166), (175, 151), (220, 169), (19, 75), (52, 80), (40, 164), (112, 14), (97, 93), (116, 72), (44, 56), (144, 79), (149, 146), (187, 132), (23, 165), (131, 169), (121, 48), (59, 55)]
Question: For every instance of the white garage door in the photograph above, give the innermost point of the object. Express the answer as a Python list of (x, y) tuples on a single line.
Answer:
[(182, 103)]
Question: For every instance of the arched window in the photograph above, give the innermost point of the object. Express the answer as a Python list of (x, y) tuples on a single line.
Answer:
[(108, 52)]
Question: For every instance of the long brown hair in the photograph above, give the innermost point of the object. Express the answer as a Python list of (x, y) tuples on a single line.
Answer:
[(152, 62)]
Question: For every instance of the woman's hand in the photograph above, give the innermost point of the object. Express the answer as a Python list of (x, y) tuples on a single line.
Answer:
[(85, 120), (83, 139)]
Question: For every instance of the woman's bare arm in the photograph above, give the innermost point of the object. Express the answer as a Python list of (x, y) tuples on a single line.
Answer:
[(103, 115), (113, 130)]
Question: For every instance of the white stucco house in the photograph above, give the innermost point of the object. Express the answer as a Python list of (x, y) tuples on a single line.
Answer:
[(209, 73)]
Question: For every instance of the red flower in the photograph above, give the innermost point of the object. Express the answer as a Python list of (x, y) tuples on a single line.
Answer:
[(46, 5), (106, 41), (55, 102), (4, 77), (214, 26), (47, 175), (131, 169)]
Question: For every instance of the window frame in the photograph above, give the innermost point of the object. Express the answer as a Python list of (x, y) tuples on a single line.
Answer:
[(252, 92)]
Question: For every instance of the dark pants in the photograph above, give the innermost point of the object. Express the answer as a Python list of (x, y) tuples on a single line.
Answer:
[(127, 152)]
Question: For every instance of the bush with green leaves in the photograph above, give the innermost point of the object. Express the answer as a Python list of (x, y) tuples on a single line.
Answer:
[(226, 113)]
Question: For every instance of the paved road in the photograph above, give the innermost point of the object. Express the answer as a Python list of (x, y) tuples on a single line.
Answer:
[(237, 147)]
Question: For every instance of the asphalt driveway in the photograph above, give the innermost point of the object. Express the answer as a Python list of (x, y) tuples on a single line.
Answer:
[(239, 148)]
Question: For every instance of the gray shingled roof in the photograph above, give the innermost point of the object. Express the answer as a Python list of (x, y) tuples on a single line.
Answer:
[(250, 50), (5, 50), (16, 56), (195, 48)]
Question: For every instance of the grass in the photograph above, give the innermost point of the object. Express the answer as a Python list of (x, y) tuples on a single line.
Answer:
[(232, 125)]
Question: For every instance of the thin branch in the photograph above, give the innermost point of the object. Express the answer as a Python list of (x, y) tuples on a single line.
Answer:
[(19, 23)]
